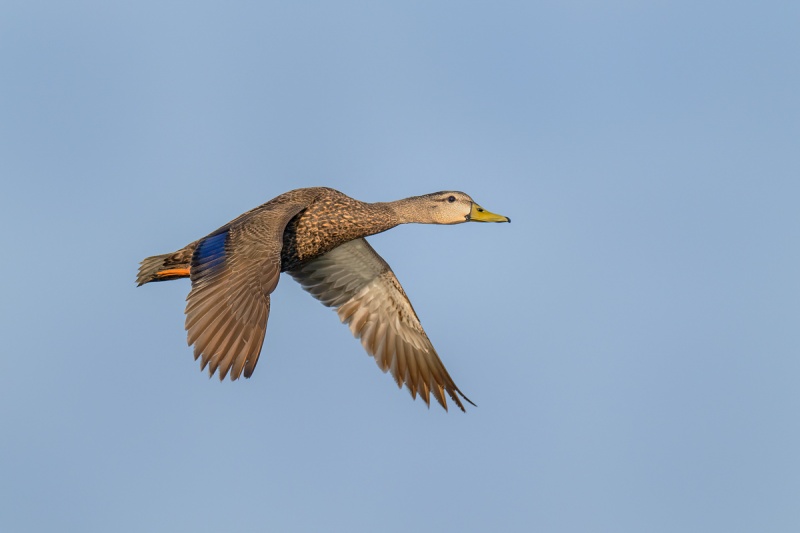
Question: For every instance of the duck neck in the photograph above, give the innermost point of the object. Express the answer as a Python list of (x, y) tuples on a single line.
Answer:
[(405, 211)]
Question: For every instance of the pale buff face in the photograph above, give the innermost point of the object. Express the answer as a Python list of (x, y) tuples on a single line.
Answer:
[(447, 207)]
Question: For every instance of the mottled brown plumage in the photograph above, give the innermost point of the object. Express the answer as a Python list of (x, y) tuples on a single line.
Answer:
[(317, 236)]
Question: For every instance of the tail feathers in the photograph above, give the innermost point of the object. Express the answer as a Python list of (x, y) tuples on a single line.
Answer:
[(164, 267)]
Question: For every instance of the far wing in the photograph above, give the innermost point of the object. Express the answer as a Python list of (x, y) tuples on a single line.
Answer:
[(359, 284)]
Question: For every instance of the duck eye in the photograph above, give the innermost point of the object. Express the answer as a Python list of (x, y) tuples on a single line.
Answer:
[(451, 199)]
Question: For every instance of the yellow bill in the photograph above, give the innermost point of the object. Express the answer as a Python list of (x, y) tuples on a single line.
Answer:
[(479, 214)]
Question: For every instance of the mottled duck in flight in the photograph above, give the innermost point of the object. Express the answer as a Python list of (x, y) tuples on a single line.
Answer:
[(317, 236)]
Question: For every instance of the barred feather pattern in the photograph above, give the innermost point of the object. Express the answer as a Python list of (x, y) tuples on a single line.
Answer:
[(360, 285)]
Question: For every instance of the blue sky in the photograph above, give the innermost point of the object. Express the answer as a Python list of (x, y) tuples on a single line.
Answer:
[(631, 339)]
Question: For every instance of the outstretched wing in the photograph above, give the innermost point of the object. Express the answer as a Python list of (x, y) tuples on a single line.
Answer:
[(233, 272), (359, 284)]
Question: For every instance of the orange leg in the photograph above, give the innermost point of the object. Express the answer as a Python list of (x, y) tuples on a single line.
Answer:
[(173, 272)]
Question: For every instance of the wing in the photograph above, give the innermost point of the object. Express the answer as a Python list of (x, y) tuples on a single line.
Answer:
[(233, 272), (359, 284)]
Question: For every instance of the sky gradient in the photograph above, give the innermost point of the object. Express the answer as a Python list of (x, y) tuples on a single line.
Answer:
[(631, 339)]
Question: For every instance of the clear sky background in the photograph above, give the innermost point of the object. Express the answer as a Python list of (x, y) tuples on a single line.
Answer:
[(631, 339)]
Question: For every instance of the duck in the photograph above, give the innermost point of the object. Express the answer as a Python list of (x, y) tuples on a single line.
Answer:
[(317, 236)]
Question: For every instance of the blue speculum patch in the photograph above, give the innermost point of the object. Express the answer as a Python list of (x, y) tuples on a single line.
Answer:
[(210, 252)]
